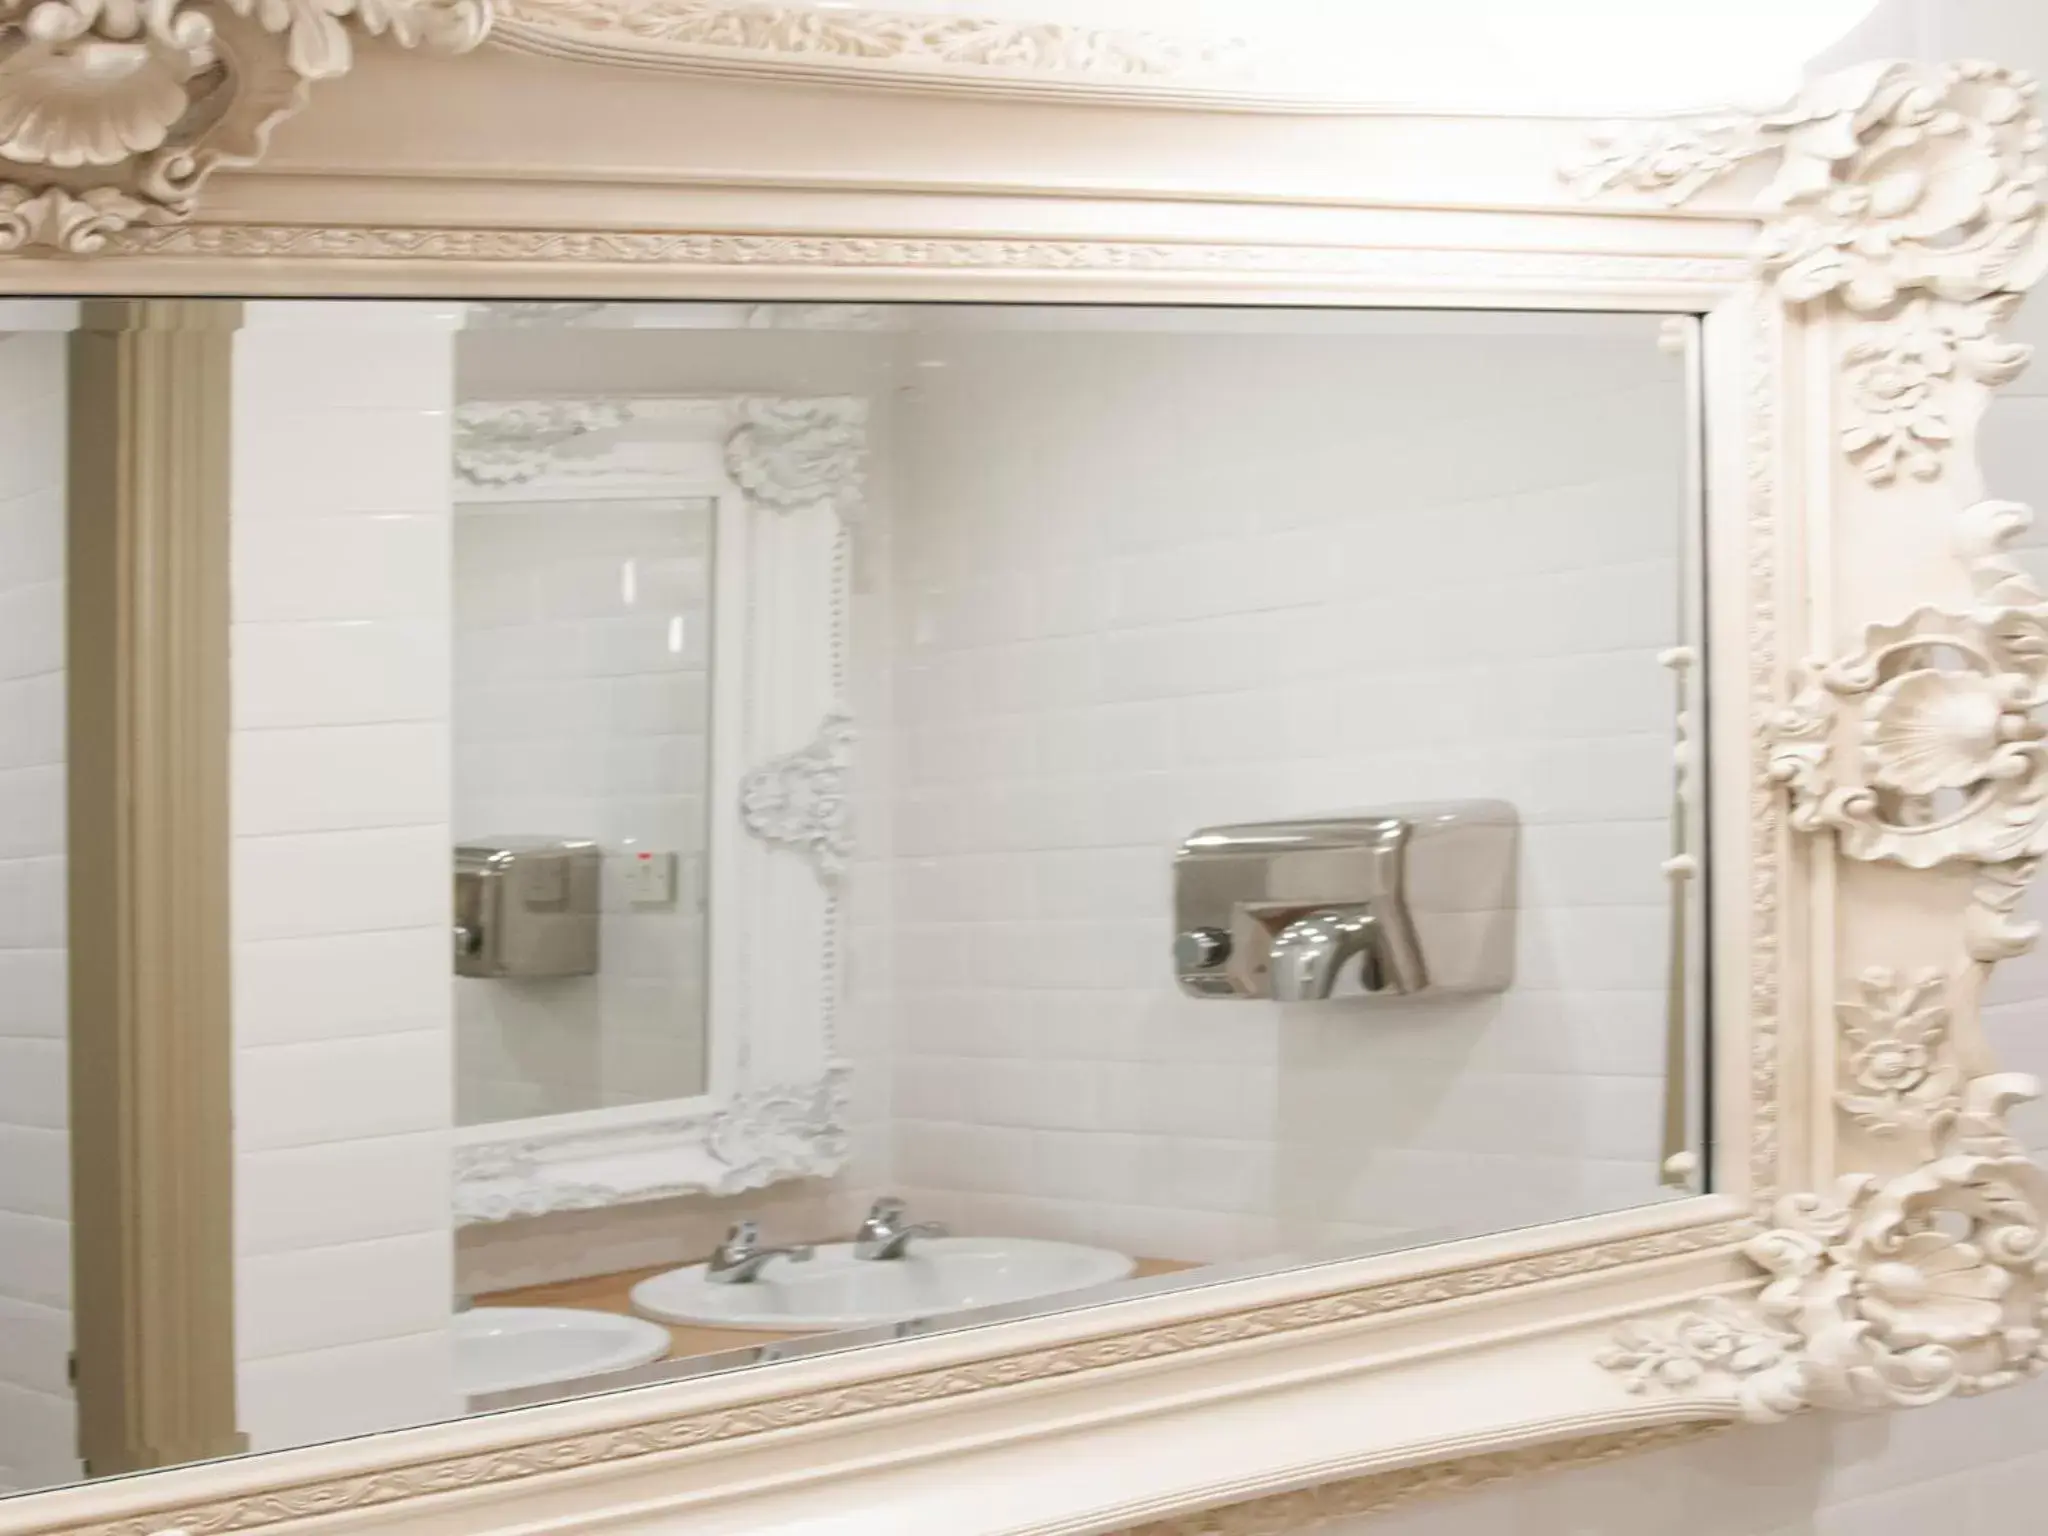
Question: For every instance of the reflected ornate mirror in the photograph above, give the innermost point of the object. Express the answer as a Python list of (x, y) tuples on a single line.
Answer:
[(911, 745), (649, 607)]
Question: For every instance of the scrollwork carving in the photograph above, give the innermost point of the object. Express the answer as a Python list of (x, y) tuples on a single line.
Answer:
[(756, 1138), (866, 36), (1882, 1293), (114, 112), (799, 800), (799, 451), (1907, 198), (1991, 932), (1889, 179), (501, 443)]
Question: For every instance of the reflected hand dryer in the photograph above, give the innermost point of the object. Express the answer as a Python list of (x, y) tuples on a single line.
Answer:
[(526, 908), (1403, 902)]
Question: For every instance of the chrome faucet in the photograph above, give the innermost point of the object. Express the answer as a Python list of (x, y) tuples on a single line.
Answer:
[(884, 1235), (738, 1260), (1307, 954)]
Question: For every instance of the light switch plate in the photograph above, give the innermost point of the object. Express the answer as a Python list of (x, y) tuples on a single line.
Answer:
[(651, 878)]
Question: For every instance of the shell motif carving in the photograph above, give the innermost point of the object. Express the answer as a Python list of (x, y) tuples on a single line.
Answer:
[(1926, 745), (1883, 1293), (1922, 748), (114, 112)]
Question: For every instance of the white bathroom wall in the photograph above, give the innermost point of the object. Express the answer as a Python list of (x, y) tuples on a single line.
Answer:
[(582, 656), (1158, 580), (342, 974), (38, 1415)]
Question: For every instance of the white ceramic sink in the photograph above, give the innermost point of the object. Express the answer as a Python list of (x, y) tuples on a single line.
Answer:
[(501, 1349), (836, 1290)]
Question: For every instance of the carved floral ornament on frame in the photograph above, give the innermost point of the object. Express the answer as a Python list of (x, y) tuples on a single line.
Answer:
[(1906, 200)]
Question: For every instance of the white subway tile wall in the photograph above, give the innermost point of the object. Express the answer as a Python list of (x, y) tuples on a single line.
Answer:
[(1453, 587), (582, 682), (343, 1006), (38, 1415)]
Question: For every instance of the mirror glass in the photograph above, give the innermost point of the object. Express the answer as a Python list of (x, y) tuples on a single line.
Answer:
[(582, 655), (752, 828)]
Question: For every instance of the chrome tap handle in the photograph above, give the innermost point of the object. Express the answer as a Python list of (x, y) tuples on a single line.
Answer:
[(885, 1212), (884, 1235), (740, 1257)]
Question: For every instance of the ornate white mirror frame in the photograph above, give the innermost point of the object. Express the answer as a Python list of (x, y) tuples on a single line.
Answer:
[(785, 475), (1876, 671)]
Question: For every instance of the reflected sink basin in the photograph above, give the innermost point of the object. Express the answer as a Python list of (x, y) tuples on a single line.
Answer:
[(836, 1290), (501, 1349)]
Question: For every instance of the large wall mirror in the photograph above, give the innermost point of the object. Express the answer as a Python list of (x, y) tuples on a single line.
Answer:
[(912, 750), (754, 827)]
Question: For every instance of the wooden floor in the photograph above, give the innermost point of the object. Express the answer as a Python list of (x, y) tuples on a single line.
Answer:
[(613, 1293)]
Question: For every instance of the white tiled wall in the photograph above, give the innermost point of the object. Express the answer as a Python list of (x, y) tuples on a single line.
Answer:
[(582, 656), (342, 994), (1150, 582), (38, 1419)]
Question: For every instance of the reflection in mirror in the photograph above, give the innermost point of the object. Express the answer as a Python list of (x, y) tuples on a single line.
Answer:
[(580, 722), (766, 827)]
